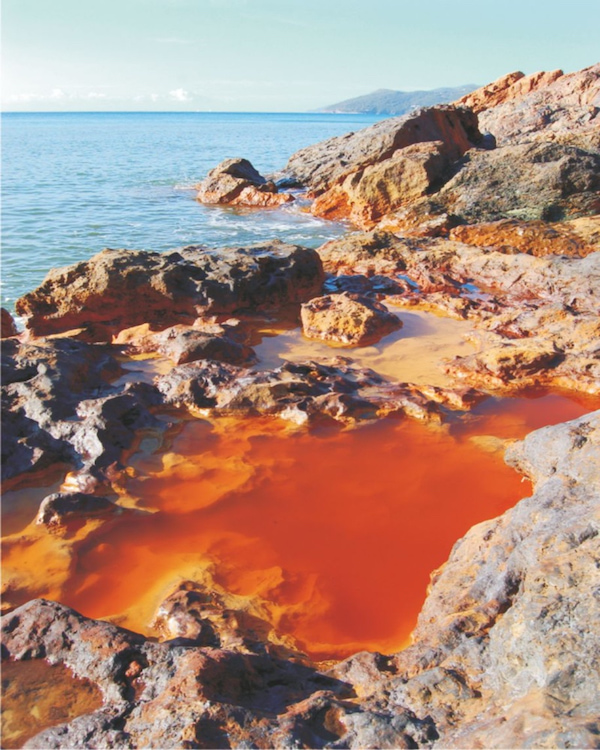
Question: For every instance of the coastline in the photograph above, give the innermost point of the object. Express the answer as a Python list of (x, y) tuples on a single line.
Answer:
[(214, 665)]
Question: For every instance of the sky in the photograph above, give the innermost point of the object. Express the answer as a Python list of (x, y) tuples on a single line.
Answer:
[(275, 55)]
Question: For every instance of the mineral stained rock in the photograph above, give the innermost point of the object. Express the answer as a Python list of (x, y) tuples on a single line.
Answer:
[(577, 237), (236, 182), (504, 653), (537, 317), (349, 319), (118, 289)]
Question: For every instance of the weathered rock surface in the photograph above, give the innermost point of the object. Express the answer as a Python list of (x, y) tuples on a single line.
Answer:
[(367, 195), (578, 237), (531, 181), (183, 344), (301, 392), (118, 289), (517, 109), (325, 164), (349, 319), (237, 183), (504, 653), (537, 316)]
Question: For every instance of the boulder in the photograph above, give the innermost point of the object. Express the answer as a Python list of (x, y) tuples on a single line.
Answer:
[(531, 181), (349, 319), (235, 182), (549, 105), (506, 88), (118, 289)]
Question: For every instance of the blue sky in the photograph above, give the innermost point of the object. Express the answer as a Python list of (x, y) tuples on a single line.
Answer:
[(275, 55)]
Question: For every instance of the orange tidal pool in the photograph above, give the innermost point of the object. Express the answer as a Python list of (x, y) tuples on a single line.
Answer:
[(330, 535), (338, 531)]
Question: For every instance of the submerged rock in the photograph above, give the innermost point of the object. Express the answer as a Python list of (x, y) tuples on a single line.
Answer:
[(61, 508), (349, 319), (235, 182), (118, 289)]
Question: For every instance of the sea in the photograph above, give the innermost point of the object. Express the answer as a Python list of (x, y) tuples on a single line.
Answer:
[(75, 183)]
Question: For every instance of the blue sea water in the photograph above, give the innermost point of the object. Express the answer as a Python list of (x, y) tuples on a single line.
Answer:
[(75, 183)]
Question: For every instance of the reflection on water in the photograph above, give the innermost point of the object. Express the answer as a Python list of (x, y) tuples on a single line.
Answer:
[(36, 696)]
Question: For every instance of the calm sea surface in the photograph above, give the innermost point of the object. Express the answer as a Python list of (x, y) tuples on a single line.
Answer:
[(73, 184)]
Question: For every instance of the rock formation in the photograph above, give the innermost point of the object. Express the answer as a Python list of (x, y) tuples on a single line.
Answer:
[(118, 289), (235, 182), (349, 319)]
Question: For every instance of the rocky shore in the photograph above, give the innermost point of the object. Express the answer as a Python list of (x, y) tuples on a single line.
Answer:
[(486, 211)]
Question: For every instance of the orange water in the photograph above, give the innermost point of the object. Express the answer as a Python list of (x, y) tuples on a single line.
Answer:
[(340, 531), (336, 531)]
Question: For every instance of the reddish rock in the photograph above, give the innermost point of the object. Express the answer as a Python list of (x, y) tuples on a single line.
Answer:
[(235, 182), (365, 196), (349, 319), (578, 237), (510, 86), (325, 164), (547, 105), (117, 289)]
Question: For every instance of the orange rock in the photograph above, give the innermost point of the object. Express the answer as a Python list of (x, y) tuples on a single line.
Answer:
[(349, 319), (578, 237), (235, 182), (370, 193), (511, 86)]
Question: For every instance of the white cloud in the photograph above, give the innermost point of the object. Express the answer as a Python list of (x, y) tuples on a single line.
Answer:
[(95, 95), (180, 95), (57, 94)]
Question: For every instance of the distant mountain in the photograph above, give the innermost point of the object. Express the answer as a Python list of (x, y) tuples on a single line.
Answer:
[(390, 102)]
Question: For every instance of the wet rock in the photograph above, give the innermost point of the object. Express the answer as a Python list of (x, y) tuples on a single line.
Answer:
[(235, 182), (183, 344), (349, 319), (301, 392), (117, 289), (578, 237), (8, 327), (325, 164), (61, 508), (196, 613)]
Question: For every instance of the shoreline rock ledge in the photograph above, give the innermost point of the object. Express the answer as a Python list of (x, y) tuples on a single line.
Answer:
[(504, 653)]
